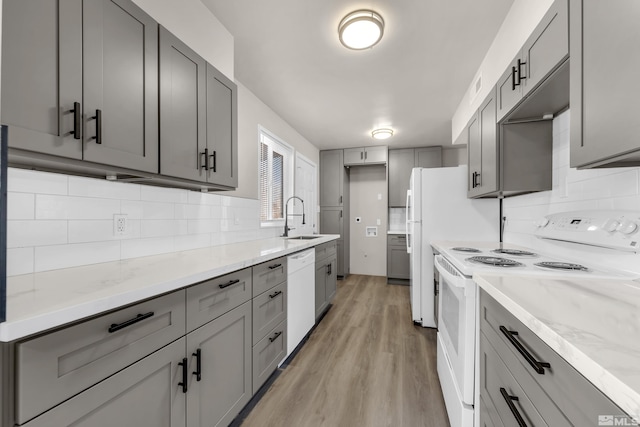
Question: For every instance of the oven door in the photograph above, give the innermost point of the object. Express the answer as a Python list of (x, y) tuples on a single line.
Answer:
[(457, 325)]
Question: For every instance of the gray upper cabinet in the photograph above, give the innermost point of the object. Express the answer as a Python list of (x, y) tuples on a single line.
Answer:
[(183, 110), (428, 157), (332, 178), (474, 153), (222, 138), (376, 155), (604, 102), (400, 164), (508, 94), (120, 52)]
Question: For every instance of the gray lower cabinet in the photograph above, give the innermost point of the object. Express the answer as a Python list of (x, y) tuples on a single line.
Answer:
[(269, 310), (401, 162), (57, 55), (332, 222), (604, 59), (268, 274), (219, 369), (268, 353), (146, 394), (510, 383), (326, 276), (365, 156), (398, 260)]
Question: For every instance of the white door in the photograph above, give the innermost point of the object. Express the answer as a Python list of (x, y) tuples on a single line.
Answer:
[(305, 187)]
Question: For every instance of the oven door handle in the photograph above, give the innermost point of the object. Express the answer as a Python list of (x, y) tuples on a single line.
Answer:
[(457, 280)]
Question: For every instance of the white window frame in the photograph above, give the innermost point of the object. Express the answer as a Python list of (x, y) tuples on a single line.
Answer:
[(288, 154)]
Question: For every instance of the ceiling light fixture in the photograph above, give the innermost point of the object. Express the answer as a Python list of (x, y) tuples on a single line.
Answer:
[(383, 133), (361, 29)]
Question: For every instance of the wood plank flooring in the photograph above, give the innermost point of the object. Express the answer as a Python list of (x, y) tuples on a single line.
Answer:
[(365, 364)]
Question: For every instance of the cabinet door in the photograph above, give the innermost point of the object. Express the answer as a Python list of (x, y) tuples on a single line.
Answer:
[(489, 143), (428, 157), (268, 353), (375, 155), (120, 48), (182, 110), (474, 153), (331, 221), (508, 89), (331, 279), (548, 45), (343, 257), (400, 164), (604, 64), (42, 75), (398, 263), (321, 288), (223, 387), (353, 156), (331, 178), (222, 125), (146, 394)]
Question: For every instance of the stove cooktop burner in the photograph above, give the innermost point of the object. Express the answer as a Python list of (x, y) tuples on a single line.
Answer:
[(495, 261), (464, 249), (565, 266), (514, 252)]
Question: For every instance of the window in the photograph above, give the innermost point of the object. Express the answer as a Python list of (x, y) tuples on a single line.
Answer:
[(275, 178)]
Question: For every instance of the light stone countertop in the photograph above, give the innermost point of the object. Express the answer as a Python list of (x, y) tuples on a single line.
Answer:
[(41, 301), (593, 324), (397, 232)]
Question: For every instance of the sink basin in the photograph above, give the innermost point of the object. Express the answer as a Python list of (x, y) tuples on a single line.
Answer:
[(302, 237)]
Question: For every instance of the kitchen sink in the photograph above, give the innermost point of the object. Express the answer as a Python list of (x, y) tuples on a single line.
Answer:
[(302, 237)]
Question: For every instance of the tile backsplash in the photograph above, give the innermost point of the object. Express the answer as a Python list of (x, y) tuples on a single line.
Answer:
[(397, 219), (58, 221), (590, 189)]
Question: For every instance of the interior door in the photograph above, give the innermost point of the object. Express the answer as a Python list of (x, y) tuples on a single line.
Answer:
[(305, 187)]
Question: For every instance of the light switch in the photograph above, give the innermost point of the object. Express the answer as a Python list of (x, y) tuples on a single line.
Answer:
[(378, 221), (379, 196)]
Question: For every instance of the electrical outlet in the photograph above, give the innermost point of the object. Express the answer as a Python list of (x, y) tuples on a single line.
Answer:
[(120, 224)]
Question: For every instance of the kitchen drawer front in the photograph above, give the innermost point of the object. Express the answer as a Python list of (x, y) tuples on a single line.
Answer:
[(269, 274), (268, 353), (397, 240), (144, 394), (325, 250), (269, 310), (53, 367), (210, 299), (485, 419), (495, 379), (559, 382)]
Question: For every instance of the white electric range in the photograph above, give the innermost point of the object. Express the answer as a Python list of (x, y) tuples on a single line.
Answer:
[(593, 244)]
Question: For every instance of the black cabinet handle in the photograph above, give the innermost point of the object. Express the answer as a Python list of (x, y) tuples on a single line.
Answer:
[(213, 156), (229, 283), (520, 76), (513, 78), (512, 407), (328, 269), (77, 120), (273, 338), (340, 199), (537, 366), (98, 119), (203, 164), (139, 318), (184, 375), (361, 155), (365, 155), (198, 371), (275, 294), (274, 266), (476, 181)]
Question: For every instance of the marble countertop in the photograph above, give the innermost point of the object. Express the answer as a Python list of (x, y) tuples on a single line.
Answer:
[(41, 301), (396, 232), (593, 324)]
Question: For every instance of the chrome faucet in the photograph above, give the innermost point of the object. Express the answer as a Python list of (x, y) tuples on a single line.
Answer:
[(286, 215)]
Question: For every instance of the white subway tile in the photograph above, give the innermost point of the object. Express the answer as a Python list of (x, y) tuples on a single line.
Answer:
[(196, 198), (21, 205), (627, 203), (92, 187), (216, 212), (84, 231), (161, 194), (68, 207), (182, 227), (158, 228), (192, 241), (192, 211), (65, 256), (28, 181), (21, 234), (199, 226), (132, 208), (157, 210), (20, 261), (146, 247)]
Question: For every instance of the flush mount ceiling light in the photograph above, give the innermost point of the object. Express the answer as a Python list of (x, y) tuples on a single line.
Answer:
[(383, 133), (361, 29)]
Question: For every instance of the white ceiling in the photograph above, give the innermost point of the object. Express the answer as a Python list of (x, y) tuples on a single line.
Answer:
[(288, 54)]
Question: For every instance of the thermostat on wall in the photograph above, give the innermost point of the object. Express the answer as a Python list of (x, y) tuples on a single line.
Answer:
[(372, 232)]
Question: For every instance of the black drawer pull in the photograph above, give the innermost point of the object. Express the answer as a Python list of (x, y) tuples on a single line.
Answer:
[(184, 375), (229, 283), (275, 294), (512, 407), (213, 156), (98, 119), (198, 371), (537, 366), (274, 266), (520, 76), (204, 165), (77, 120), (513, 78), (139, 318), (328, 269), (273, 338)]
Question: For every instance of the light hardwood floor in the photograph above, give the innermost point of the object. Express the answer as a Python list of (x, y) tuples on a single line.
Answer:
[(365, 364)]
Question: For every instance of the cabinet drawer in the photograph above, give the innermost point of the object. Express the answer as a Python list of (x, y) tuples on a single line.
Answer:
[(269, 309), (325, 250), (268, 353), (485, 419), (269, 274), (499, 389), (53, 367), (559, 382), (212, 298)]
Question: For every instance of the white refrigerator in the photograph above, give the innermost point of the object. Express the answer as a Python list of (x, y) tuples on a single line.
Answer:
[(438, 209)]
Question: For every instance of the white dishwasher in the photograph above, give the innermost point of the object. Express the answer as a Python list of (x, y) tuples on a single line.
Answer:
[(301, 291)]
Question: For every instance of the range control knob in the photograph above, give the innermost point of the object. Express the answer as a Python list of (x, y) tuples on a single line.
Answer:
[(611, 225), (543, 223), (627, 227)]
